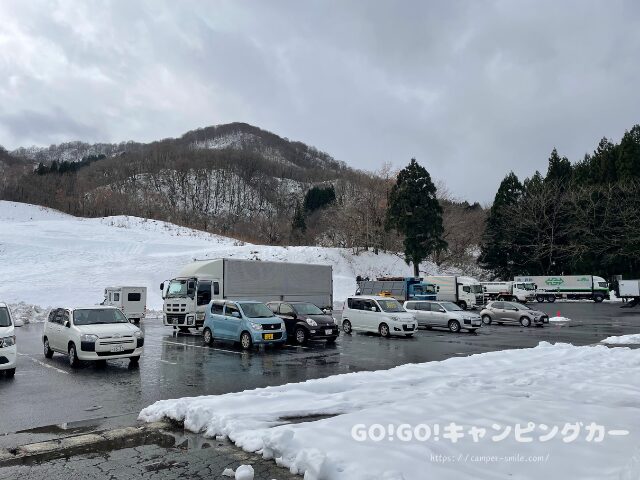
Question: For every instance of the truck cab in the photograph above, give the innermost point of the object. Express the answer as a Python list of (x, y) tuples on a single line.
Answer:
[(186, 299)]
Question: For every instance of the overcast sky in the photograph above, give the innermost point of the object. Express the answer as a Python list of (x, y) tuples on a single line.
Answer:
[(472, 89)]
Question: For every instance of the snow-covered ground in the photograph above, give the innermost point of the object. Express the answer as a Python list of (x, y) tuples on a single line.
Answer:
[(49, 258), (554, 412), (559, 319), (632, 339)]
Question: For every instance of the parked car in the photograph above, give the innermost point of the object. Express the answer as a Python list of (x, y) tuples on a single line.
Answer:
[(93, 333), (304, 321), (443, 314), (512, 312), (8, 351), (383, 315), (249, 323)]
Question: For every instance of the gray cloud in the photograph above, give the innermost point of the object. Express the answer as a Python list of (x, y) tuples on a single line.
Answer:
[(471, 89)]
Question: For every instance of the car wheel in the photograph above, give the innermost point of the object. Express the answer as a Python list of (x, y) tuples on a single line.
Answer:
[(48, 353), (208, 336), (300, 336), (11, 372), (598, 298), (525, 321), (551, 298), (346, 327), (245, 341), (540, 298), (73, 356), (454, 326), (462, 304), (486, 319), (383, 329)]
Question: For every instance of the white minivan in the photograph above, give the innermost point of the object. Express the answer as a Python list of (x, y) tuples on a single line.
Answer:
[(8, 352), (383, 315), (96, 333)]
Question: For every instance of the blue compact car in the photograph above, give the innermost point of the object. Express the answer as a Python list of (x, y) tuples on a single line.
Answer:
[(249, 323)]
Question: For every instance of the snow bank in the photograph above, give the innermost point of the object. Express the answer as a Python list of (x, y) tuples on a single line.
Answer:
[(309, 427), (50, 258), (559, 319), (23, 313), (632, 339)]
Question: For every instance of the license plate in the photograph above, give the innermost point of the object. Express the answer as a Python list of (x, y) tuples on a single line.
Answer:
[(268, 336), (117, 348), (328, 331)]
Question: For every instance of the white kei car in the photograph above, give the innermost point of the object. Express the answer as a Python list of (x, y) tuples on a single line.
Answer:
[(383, 315), (8, 351), (97, 333)]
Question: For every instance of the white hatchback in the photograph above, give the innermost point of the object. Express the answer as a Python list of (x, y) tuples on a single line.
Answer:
[(383, 315), (91, 333), (8, 351)]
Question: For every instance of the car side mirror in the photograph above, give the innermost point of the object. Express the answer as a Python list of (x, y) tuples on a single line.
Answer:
[(442, 310), (162, 286), (294, 315), (325, 311), (373, 309), (67, 323), (235, 314)]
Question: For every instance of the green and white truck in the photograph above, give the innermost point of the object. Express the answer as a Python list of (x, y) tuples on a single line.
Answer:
[(570, 287)]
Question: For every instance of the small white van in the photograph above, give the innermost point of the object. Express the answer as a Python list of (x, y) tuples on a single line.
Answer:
[(383, 315), (132, 301)]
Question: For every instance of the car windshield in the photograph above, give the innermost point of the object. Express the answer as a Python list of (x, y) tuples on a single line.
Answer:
[(256, 310), (98, 316), (307, 309), (5, 319), (391, 305), (476, 289), (450, 307)]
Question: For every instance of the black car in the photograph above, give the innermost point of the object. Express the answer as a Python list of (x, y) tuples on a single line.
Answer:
[(305, 321)]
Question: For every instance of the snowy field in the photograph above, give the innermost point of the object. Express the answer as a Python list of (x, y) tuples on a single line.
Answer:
[(49, 258), (553, 412)]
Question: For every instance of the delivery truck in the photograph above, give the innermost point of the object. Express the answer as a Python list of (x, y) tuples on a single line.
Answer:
[(131, 300), (187, 295), (400, 288), (466, 292), (630, 291), (571, 287), (509, 291)]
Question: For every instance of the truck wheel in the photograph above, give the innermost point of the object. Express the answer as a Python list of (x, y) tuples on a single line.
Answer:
[(11, 372), (300, 336), (501, 298), (245, 341), (346, 327), (384, 330), (551, 298), (48, 353), (208, 336), (525, 321), (454, 326), (598, 298), (486, 319), (462, 304), (540, 298)]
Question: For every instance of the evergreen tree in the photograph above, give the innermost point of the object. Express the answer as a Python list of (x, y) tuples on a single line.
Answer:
[(559, 169), (498, 250), (299, 223), (628, 164), (319, 197), (415, 212)]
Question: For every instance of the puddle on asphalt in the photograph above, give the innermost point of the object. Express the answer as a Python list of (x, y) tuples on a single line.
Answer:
[(82, 426)]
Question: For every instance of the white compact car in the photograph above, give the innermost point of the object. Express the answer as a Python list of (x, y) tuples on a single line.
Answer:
[(383, 315), (8, 351), (443, 314), (94, 333)]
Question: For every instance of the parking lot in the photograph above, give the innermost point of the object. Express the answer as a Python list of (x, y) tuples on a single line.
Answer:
[(46, 392)]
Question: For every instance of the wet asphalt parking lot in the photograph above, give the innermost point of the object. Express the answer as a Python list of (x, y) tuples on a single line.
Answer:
[(46, 392)]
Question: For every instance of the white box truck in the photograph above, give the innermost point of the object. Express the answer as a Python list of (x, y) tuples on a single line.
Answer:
[(571, 287), (629, 292), (131, 300), (187, 295), (464, 291), (509, 291)]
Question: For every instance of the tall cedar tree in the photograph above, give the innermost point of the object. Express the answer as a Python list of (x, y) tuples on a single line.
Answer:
[(415, 212), (498, 252)]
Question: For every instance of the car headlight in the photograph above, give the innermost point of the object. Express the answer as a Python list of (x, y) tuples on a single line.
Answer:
[(7, 341), (311, 322), (89, 338), (138, 334), (335, 321), (256, 326), (281, 326)]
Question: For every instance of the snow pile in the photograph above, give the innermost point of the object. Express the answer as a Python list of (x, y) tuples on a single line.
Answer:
[(319, 427), (559, 319), (632, 339), (244, 472), (50, 258), (23, 313)]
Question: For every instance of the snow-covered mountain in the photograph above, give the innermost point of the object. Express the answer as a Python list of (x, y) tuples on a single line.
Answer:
[(50, 258)]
